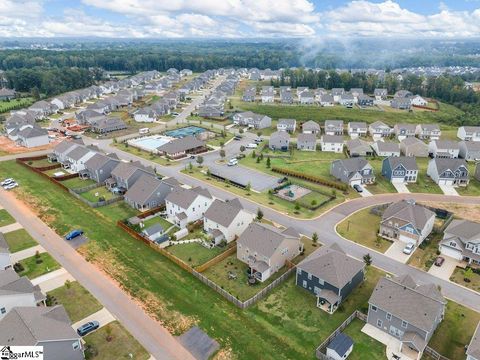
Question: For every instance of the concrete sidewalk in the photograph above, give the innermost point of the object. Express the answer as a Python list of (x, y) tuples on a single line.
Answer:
[(10, 228), (103, 316), (52, 280), (23, 254)]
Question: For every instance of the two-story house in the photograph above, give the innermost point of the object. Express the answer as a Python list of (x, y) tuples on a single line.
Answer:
[(411, 146), (357, 129), (451, 172), (469, 133), (333, 127), (125, 175), (267, 94), (49, 327), (443, 149), (403, 131), (226, 220), (407, 222), (265, 249), (386, 148), (289, 125), (310, 127), (406, 311), (76, 158), (279, 140), (380, 94), (306, 142), (332, 143), (148, 192), (400, 169), (469, 150), (461, 241), (378, 130), (184, 206), (353, 171), (428, 131), (252, 120), (99, 167), (331, 275)]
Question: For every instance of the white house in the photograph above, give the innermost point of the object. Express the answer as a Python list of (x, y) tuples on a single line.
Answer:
[(469, 133), (5, 260), (145, 115), (187, 205), (417, 100), (356, 129), (379, 130), (76, 158), (443, 149), (226, 220), (332, 143), (386, 148)]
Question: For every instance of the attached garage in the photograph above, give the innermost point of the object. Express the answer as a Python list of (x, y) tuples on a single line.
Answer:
[(445, 182), (407, 239), (398, 180), (453, 253)]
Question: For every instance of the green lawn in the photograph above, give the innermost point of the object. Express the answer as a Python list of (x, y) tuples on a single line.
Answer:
[(285, 325), (6, 218), (459, 278), (78, 302), (218, 140), (362, 228), (365, 347), (90, 195), (382, 184), (33, 270), (120, 346), (424, 184), (455, 331), (194, 254), (77, 183), (40, 163), (117, 211), (19, 240), (159, 220), (425, 255)]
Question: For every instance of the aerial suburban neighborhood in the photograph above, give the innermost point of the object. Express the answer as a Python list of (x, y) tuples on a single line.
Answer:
[(213, 181)]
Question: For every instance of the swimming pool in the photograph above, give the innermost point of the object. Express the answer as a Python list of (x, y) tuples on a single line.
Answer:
[(186, 131), (149, 143)]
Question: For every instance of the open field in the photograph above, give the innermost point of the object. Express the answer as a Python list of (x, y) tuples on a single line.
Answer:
[(19, 240), (119, 345), (33, 269), (362, 228), (78, 302), (5, 218)]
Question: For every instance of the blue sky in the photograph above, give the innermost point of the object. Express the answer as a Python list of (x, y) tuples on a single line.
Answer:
[(315, 19)]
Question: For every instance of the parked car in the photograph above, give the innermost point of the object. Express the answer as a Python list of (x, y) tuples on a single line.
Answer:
[(252, 146), (73, 234), (238, 137), (232, 162), (7, 181), (10, 186), (88, 328), (408, 249), (358, 188), (439, 261), (175, 114), (258, 140), (192, 157)]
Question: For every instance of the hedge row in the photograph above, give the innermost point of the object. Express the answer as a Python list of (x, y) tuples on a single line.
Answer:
[(311, 178)]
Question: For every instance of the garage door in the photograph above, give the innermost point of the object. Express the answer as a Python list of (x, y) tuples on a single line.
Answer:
[(398, 180), (356, 182), (448, 251), (445, 182), (406, 239)]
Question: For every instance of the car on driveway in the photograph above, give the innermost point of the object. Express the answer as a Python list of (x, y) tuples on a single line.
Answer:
[(10, 186), (358, 188), (252, 146), (439, 261), (73, 234), (408, 249), (7, 181), (88, 328), (232, 162)]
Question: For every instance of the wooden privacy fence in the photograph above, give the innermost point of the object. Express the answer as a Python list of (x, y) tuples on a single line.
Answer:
[(52, 180), (231, 250)]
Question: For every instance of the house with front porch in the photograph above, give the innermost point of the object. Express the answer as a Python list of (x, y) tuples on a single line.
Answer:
[(184, 206), (451, 172), (331, 275), (353, 171), (226, 220), (266, 249), (461, 241), (407, 222), (407, 311), (147, 193), (400, 169)]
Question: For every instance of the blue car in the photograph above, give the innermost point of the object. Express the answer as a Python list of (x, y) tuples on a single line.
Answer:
[(73, 234)]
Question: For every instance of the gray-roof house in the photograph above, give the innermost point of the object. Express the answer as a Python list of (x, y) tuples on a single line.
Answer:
[(331, 275), (412, 146), (378, 130), (353, 171), (401, 103), (279, 140), (267, 94), (443, 149), (60, 151), (99, 168), (289, 125), (265, 249), (17, 291), (306, 97), (469, 133), (358, 147), (252, 120), (76, 158), (332, 143), (311, 127), (356, 129), (187, 205), (469, 150), (249, 94), (333, 127), (407, 311), (473, 349), (407, 222), (306, 142), (403, 131), (286, 96), (226, 220), (32, 137), (461, 241), (400, 169), (125, 175), (451, 172), (49, 327), (5, 258), (386, 148), (180, 147), (326, 100), (147, 193), (107, 124), (428, 131), (380, 94)]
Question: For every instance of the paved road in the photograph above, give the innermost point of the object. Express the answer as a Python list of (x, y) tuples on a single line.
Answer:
[(33, 153), (154, 337)]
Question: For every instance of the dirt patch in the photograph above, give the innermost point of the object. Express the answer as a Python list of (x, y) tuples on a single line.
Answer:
[(224, 354), (9, 146), (41, 210), (464, 211)]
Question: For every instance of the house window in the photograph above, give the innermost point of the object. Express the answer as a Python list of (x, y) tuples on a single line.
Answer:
[(3, 310), (379, 323), (299, 271), (373, 308), (305, 284), (389, 316), (316, 290), (404, 324), (309, 276)]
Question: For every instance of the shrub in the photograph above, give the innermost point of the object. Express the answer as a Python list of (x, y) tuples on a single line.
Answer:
[(18, 267)]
